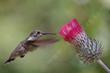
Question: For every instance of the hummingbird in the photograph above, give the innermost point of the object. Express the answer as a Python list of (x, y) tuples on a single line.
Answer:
[(32, 42)]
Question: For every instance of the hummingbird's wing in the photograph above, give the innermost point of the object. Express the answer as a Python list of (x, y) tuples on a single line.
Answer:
[(44, 42), (33, 45)]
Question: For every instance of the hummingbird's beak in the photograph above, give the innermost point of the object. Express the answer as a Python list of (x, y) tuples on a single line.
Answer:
[(47, 33)]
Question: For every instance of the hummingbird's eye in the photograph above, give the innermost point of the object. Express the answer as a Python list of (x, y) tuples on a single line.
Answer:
[(38, 32)]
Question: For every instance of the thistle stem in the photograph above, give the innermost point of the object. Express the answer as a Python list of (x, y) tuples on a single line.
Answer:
[(101, 63)]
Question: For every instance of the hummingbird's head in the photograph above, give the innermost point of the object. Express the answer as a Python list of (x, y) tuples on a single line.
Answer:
[(36, 34)]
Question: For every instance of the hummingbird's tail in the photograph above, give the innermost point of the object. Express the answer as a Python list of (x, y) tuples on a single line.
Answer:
[(9, 60)]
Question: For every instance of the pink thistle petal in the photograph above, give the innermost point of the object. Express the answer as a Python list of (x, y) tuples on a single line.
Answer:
[(71, 30)]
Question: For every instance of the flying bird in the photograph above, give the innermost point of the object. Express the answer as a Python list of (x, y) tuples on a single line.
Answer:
[(32, 42)]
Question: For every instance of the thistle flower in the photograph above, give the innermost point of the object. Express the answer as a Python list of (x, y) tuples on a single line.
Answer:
[(89, 50)]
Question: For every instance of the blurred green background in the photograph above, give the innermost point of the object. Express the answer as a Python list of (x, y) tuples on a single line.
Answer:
[(19, 17)]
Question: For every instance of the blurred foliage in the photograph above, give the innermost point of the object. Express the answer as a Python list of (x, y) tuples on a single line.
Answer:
[(19, 17)]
